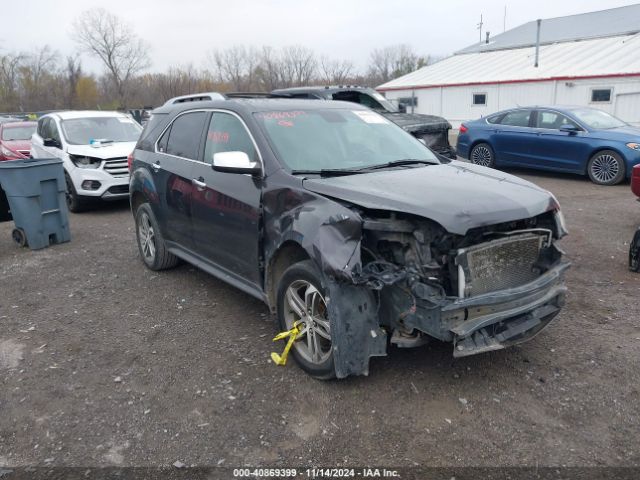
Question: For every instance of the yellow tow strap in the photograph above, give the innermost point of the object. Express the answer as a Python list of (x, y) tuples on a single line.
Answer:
[(292, 334)]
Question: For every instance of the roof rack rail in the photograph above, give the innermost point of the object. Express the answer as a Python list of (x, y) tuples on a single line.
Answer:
[(254, 95), (195, 97)]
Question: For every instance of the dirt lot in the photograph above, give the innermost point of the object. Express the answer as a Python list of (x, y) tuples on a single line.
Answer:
[(103, 362)]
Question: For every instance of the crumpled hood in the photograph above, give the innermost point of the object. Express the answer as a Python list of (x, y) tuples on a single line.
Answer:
[(414, 122), (459, 196), (105, 152)]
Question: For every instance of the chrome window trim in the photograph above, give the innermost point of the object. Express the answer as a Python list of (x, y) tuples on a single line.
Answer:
[(214, 110)]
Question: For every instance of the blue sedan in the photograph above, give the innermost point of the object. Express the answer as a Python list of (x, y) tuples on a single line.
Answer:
[(579, 140)]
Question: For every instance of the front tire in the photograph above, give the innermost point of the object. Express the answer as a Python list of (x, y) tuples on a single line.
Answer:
[(482, 154), (301, 297), (606, 168), (151, 246), (75, 203)]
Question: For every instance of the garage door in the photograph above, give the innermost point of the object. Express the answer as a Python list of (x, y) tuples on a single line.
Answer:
[(628, 107)]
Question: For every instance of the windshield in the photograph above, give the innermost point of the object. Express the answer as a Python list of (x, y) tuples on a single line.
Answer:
[(80, 131), (315, 140), (22, 132), (593, 118)]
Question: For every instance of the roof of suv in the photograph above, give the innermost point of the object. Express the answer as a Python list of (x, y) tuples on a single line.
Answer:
[(327, 89), (260, 105), (69, 114)]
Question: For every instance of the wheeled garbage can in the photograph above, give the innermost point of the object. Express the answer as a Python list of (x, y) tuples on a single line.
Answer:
[(35, 191)]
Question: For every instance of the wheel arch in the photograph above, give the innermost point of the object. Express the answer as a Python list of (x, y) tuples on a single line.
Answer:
[(602, 148), (289, 253), (479, 141)]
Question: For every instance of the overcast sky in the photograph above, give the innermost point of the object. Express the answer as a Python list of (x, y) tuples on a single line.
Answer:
[(182, 31)]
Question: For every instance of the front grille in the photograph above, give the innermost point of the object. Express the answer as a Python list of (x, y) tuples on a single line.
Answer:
[(117, 189), (117, 166), (499, 264)]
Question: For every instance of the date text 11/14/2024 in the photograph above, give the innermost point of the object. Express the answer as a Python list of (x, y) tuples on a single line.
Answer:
[(315, 473)]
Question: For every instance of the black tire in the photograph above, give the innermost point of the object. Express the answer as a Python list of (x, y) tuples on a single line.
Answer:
[(482, 154), (299, 274), (634, 253), (606, 167), (19, 237), (153, 251), (75, 203)]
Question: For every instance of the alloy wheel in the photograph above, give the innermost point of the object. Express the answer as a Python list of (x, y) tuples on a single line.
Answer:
[(146, 237), (605, 168), (305, 303), (481, 155)]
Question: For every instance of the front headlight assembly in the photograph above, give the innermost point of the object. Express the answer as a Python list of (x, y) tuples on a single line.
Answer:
[(81, 161)]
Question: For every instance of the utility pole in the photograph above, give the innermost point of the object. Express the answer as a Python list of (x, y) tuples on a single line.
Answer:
[(504, 20), (480, 28)]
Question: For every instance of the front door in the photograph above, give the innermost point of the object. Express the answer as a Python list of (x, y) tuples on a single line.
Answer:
[(557, 149), (226, 206)]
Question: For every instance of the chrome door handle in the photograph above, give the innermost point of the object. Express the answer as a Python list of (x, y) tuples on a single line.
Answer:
[(156, 167), (200, 186)]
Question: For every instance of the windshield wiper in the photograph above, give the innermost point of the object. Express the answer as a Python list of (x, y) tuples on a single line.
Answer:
[(399, 163), (328, 172)]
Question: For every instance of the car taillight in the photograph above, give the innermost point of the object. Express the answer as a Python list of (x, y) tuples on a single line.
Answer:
[(130, 161), (636, 171), (463, 128)]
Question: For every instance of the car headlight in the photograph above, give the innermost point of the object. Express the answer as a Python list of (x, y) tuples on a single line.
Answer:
[(633, 146), (81, 161)]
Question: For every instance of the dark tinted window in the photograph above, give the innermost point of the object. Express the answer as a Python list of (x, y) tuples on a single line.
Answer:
[(479, 98), (517, 118), (227, 134), (185, 135), (601, 95), (552, 120)]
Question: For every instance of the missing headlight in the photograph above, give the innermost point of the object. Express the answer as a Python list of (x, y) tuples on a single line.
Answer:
[(81, 161)]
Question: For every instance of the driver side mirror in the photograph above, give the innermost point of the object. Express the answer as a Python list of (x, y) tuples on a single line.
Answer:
[(51, 142), (570, 129), (234, 162)]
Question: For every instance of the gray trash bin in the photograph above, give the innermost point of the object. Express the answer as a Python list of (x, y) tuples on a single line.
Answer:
[(35, 190)]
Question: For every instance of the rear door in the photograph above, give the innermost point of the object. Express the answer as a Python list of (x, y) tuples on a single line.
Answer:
[(555, 149), (513, 136), (176, 152), (226, 206)]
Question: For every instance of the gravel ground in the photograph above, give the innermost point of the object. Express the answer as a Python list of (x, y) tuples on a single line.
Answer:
[(103, 362)]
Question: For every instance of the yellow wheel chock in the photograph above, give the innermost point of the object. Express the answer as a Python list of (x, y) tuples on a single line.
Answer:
[(292, 334)]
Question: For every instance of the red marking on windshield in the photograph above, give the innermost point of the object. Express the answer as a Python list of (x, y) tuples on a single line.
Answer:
[(285, 123), (282, 115)]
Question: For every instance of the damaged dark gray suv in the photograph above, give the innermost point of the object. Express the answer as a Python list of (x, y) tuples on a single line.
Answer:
[(348, 227)]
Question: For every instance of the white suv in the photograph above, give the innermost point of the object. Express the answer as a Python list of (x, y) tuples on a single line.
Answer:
[(94, 146)]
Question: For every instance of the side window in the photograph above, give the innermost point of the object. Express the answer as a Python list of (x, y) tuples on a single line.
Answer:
[(517, 118), (185, 135), (552, 120), (162, 143), (370, 102), (227, 134), (53, 130), (41, 127)]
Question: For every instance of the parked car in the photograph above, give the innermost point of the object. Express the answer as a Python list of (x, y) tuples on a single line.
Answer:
[(347, 227), (431, 129), (634, 248), (94, 146), (581, 140), (15, 140)]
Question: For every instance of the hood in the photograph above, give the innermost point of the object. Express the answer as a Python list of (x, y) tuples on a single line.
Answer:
[(627, 133), (17, 145), (104, 152), (459, 196), (414, 122)]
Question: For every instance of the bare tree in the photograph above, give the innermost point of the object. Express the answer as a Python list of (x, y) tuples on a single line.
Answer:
[(335, 72), (114, 42), (391, 62), (268, 72), (298, 65), (9, 81), (73, 73)]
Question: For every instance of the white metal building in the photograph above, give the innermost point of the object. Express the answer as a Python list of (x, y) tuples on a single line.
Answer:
[(589, 59)]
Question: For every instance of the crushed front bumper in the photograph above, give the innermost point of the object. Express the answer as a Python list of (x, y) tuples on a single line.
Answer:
[(499, 319)]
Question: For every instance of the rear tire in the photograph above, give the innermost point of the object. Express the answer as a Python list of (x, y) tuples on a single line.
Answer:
[(634, 253), (151, 246), (301, 297), (75, 203), (606, 168), (482, 154)]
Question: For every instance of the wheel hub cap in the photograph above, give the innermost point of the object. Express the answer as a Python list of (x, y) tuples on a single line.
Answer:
[(481, 156), (147, 238), (605, 168)]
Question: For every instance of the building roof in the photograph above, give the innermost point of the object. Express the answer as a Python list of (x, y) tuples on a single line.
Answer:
[(604, 23), (600, 57)]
